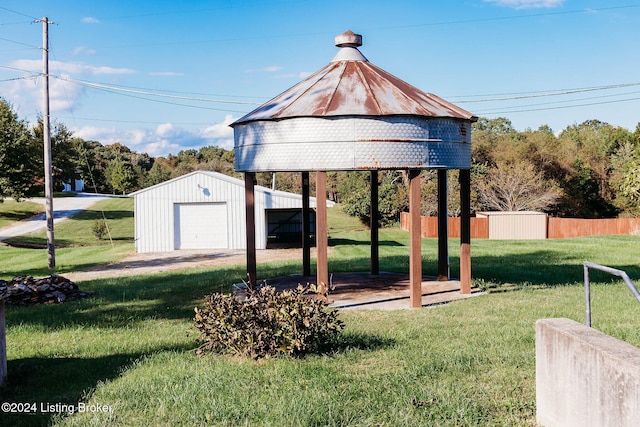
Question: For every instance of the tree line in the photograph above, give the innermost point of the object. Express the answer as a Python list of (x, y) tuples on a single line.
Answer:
[(588, 170)]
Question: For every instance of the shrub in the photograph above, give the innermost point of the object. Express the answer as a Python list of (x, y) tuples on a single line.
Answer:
[(100, 228), (267, 323)]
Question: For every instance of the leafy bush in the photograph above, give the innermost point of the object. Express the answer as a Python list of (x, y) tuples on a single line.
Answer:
[(100, 228), (267, 323)]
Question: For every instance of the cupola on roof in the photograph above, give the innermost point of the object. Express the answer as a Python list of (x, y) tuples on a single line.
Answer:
[(351, 85)]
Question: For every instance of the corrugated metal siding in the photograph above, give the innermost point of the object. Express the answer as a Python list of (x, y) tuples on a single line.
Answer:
[(517, 225), (154, 208)]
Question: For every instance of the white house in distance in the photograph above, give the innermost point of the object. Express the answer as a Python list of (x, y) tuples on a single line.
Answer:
[(206, 210)]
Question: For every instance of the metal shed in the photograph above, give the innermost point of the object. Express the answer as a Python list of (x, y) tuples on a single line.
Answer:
[(353, 115), (205, 210), (518, 225)]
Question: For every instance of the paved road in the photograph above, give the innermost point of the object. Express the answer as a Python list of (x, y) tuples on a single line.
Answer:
[(63, 208)]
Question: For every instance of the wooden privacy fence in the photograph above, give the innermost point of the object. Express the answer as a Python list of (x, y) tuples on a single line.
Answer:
[(557, 228), (575, 227), (429, 225)]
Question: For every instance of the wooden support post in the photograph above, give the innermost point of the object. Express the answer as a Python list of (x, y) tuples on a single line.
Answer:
[(443, 227), (322, 266), (249, 197), (465, 231), (373, 224), (415, 240), (306, 239), (3, 345)]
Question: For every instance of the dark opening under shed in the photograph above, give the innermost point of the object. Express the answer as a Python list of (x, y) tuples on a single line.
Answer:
[(353, 115)]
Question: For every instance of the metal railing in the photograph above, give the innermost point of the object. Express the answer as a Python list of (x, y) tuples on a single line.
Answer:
[(613, 271)]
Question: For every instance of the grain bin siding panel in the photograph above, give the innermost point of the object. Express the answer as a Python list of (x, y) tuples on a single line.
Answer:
[(517, 225)]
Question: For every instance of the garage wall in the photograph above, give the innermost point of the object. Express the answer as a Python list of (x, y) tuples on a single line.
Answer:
[(155, 209)]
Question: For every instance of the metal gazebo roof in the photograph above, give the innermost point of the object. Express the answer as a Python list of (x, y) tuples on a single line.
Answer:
[(351, 85)]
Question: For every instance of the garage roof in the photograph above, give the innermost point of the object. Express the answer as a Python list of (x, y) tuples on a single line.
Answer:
[(227, 178)]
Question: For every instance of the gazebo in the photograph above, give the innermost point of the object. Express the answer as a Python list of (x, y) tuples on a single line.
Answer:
[(353, 115)]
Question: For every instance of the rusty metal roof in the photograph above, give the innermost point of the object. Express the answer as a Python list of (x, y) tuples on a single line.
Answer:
[(350, 85)]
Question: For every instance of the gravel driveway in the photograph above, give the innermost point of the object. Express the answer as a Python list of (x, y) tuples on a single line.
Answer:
[(158, 262)]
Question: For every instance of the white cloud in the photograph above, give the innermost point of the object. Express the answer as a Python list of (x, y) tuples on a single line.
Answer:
[(220, 130), (26, 95), (83, 50), (269, 69), (165, 139), (165, 74), (90, 20), (69, 67), (527, 4), (64, 96), (164, 130)]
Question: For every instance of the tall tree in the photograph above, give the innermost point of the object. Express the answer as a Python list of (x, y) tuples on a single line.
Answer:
[(121, 176), (517, 187), (17, 168), (64, 155)]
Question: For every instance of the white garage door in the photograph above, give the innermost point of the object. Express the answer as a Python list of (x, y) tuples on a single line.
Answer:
[(200, 225)]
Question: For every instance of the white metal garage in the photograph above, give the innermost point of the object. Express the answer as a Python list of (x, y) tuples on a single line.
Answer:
[(203, 210)]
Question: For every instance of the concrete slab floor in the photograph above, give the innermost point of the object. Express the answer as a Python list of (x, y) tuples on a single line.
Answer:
[(386, 291)]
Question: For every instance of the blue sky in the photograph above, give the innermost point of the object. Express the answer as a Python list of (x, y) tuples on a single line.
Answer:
[(163, 76)]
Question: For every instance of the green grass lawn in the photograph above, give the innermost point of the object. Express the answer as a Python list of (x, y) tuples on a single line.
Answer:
[(76, 246), (471, 362), (12, 211)]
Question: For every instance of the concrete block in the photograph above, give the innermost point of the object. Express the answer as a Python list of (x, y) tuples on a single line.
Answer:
[(584, 377)]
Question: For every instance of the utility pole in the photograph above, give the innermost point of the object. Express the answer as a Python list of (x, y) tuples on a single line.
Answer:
[(48, 167)]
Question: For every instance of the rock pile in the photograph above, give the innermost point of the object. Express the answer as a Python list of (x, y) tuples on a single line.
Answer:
[(25, 290)]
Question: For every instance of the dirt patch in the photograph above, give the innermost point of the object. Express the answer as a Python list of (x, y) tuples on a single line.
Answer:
[(157, 262)]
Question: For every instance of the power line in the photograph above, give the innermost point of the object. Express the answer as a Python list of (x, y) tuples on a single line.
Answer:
[(132, 91), (175, 91), (20, 43), (115, 91), (393, 27), (19, 69), (141, 92), (172, 13), (538, 94), (518, 95), (16, 78), (135, 121), (19, 13), (573, 100), (504, 18), (557, 108)]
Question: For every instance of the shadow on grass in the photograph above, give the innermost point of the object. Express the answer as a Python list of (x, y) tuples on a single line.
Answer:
[(30, 242), (126, 301), (91, 214), (357, 341), (537, 268), (342, 241), (60, 380), (540, 268)]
